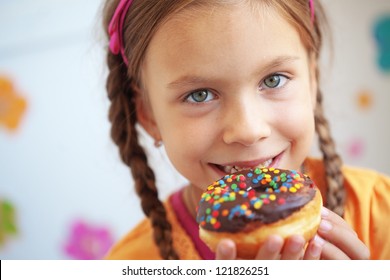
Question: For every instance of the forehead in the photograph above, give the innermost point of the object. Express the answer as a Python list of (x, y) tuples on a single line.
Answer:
[(198, 36), (191, 16), (207, 17)]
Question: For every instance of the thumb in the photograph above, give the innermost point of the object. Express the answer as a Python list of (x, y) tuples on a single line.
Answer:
[(226, 250)]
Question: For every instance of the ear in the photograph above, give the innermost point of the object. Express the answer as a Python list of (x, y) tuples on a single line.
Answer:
[(145, 115)]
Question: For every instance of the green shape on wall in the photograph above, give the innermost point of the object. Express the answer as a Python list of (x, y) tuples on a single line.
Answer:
[(382, 36), (7, 220)]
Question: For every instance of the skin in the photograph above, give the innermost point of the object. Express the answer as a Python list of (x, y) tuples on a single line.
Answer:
[(211, 93)]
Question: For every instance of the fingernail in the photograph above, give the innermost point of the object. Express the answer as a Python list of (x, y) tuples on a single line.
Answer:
[(225, 249), (319, 240), (324, 212), (325, 226), (275, 244), (296, 244), (315, 250)]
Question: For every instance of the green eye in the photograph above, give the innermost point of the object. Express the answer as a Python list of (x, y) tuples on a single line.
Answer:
[(199, 96), (272, 81)]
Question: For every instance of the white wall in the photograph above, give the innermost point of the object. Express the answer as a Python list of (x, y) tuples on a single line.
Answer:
[(355, 71), (60, 166)]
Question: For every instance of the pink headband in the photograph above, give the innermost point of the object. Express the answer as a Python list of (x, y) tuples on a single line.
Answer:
[(311, 5), (115, 28)]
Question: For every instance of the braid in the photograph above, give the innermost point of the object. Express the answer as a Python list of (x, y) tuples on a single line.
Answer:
[(123, 119), (335, 196)]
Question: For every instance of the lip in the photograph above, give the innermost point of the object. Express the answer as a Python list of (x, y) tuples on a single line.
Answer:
[(248, 164)]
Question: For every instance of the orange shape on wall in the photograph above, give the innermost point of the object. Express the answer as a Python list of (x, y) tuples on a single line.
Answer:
[(365, 100), (12, 105)]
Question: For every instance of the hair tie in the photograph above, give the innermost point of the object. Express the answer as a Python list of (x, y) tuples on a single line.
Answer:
[(311, 5), (115, 29)]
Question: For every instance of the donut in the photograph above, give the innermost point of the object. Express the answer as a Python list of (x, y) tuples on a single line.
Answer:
[(249, 205)]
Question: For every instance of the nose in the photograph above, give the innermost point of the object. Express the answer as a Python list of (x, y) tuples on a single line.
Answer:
[(245, 123)]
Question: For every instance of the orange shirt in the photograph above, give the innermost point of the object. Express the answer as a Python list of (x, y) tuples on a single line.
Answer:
[(367, 210)]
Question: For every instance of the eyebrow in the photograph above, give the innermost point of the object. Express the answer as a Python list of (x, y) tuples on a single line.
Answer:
[(280, 60), (187, 80), (274, 63)]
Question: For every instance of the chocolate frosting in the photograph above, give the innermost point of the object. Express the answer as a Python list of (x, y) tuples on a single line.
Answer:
[(246, 199)]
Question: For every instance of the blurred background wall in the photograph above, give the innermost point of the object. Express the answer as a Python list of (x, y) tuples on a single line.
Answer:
[(64, 194)]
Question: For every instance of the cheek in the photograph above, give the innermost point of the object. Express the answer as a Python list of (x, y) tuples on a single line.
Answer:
[(187, 155), (186, 143), (296, 123)]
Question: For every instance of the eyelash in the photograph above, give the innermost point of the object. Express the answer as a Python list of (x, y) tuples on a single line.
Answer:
[(281, 77), (191, 94), (193, 101)]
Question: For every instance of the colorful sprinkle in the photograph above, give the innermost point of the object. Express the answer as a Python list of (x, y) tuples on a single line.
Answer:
[(258, 204), (252, 191)]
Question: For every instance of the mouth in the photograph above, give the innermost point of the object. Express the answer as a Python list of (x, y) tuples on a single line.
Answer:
[(236, 168), (239, 166)]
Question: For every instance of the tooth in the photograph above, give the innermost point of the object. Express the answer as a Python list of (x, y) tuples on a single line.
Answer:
[(265, 164), (235, 168), (227, 169)]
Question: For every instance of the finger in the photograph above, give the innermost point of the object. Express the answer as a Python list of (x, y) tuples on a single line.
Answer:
[(271, 248), (293, 248), (331, 252), (344, 239), (326, 214), (226, 250), (314, 249)]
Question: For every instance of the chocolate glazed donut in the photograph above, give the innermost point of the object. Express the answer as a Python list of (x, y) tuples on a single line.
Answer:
[(249, 205)]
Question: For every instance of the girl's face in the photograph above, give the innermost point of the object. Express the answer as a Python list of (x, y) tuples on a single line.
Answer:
[(230, 87)]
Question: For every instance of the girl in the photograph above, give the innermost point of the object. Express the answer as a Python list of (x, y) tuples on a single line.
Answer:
[(225, 84)]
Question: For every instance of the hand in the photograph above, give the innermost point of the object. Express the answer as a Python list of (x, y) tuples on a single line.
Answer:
[(340, 241), (335, 240), (275, 248)]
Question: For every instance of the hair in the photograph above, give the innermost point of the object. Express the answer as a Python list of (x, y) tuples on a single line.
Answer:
[(141, 22)]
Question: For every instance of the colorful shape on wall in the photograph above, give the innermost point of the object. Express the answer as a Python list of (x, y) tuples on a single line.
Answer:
[(88, 242), (365, 100), (382, 36), (12, 105), (7, 220), (356, 148)]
